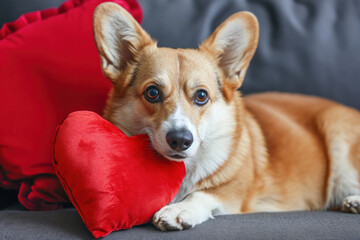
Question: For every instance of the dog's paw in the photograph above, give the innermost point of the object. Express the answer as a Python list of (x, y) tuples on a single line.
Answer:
[(174, 217), (351, 204)]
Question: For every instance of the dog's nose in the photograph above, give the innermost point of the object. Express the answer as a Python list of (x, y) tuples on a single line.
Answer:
[(179, 140)]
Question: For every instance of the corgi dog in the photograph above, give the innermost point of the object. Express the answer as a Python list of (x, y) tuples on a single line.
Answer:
[(262, 152)]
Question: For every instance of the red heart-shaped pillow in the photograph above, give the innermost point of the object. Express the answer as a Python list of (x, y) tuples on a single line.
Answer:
[(114, 181)]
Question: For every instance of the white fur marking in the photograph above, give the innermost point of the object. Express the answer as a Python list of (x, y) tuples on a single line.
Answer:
[(344, 178), (216, 136), (176, 121), (193, 210), (351, 204), (178, 65)]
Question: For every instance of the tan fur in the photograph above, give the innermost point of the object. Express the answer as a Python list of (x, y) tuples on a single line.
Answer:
[(286, 150)]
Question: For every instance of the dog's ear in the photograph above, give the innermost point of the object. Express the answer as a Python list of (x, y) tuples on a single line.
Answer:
[(233, 44), (118, 38)]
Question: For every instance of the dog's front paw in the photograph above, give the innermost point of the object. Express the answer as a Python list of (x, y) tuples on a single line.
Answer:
[(351, 204), (174, 217)]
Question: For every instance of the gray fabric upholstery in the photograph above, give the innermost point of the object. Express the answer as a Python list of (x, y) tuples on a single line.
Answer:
[(10, 10), (67, 224), (305, 46)]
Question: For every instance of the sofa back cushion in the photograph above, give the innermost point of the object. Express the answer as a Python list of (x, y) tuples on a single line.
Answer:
[(308, 47)]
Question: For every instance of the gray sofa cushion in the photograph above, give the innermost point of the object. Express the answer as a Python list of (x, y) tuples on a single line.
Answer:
[(10, 10), (67, 224)]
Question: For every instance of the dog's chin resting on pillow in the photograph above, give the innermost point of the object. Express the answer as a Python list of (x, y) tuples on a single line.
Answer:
[(264, 152)]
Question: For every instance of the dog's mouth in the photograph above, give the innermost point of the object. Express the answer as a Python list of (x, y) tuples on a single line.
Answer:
[(176, 156), (167, 153)]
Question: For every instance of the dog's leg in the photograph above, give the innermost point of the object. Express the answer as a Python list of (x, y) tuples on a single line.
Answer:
[(194, 209), (351, 204)]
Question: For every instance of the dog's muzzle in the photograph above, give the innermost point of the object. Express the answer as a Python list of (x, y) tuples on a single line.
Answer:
[(179, 140)]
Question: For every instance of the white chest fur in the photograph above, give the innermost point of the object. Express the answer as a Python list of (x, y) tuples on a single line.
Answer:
[(216, 136)]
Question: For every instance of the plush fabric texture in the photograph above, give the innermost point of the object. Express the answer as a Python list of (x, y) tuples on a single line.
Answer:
[(114, 181), (66, 224), (49, 68)]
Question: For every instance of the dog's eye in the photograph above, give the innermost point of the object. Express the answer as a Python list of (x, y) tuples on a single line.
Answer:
[(152, 94), (201, 97)]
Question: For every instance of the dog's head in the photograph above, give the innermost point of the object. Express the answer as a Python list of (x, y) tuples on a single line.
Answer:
[(173, 95)]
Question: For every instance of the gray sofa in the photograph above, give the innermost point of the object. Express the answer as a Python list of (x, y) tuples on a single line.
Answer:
[(306, 46)]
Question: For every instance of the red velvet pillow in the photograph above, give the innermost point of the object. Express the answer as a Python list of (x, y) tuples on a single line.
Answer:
[(114, 181), (49, 68)]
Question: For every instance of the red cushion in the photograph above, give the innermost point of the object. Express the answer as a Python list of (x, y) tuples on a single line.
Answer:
[(114, 181), (49, 68)]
